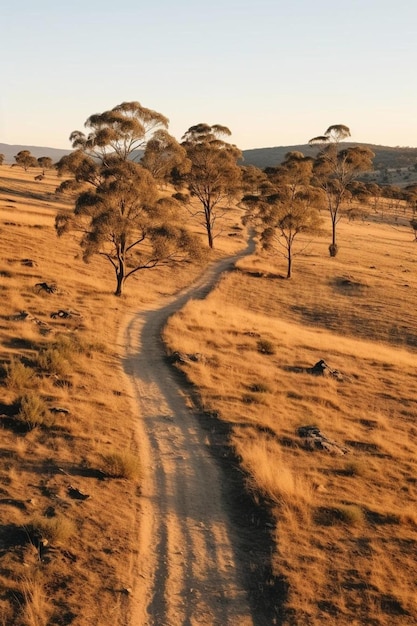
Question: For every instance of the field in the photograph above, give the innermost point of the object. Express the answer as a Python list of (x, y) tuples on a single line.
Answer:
[(345, 501), (343, 504)]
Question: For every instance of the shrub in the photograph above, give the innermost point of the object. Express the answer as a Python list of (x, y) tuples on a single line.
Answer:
[(53, 361), (265, 346), (351, 514), (18, 376), (354, 468), (56, 529), (121, 465), (259, 387), (33, 412), (36, 610), (250, 398)]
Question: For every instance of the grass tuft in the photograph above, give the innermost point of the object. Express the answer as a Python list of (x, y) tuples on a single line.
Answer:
[(56, 529), (33, 412), (18, 376), (121, 465)]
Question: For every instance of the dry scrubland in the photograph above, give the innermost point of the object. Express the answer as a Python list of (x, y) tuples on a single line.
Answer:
[(57, 548), (346, 525), (345, 540)]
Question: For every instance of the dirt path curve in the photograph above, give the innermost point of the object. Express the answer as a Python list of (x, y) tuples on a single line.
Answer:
[(187, 566)]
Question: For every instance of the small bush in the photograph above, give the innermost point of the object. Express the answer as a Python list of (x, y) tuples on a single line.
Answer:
[(34, 412), (18, 376), (53, 361), (351, 514), (56, 529), (250, 398), (259, 388), (121, 465), (37, 609), (354, 468), (265, 346)]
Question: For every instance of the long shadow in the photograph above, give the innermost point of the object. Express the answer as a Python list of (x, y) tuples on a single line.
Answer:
[(251, 521)]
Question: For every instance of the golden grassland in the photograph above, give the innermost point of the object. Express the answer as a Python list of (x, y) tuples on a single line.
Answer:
[(65, 558), (346, 523)]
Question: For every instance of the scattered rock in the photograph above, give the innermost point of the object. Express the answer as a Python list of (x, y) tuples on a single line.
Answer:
[(322, 369), (52, 288), (28, 263), (181, 357), (76, 494), (59, 409), (64, 314), (314, 439), (25, 315)]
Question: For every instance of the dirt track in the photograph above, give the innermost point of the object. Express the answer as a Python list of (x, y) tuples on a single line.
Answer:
[(188, 568)]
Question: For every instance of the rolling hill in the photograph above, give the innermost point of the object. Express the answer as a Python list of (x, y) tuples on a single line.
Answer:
[(386, 157)]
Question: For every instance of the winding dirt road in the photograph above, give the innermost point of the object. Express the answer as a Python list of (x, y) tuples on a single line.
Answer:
[(189, 559)]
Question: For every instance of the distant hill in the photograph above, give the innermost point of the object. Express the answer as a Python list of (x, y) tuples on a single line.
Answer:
[(10, 152), (386, 157)]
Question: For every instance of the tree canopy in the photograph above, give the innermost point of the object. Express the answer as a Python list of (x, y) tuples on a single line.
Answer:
[(25, 159), (336, 168), (212, 176), (119, 210), (286, 207)]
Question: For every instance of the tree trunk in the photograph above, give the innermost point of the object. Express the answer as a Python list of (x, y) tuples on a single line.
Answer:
[(207, 214), (333, 246), (120, 277), (289, 263)]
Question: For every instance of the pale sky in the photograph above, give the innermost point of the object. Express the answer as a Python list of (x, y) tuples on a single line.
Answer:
[(276, 73)]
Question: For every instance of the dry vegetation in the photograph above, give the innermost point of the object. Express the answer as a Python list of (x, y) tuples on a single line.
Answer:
[(69, 463), (346, 522)]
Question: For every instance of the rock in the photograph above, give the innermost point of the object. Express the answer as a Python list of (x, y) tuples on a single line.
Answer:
[(322, 369), (52, 288), (314, 439), (76, 494)]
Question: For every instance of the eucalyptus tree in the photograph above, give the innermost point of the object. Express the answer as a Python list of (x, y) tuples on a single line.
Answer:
[(119, 211), (25, 159), (286, 207), (213, 175), (45, 163), (336, 168), (253, 179)]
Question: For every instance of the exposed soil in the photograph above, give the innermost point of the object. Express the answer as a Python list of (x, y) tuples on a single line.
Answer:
[(203, 550)]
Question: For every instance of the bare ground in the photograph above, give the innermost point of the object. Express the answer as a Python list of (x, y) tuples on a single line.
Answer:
[(200, 560)]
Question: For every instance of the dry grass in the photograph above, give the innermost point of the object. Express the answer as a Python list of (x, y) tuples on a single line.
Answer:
[(346, 534), (66, 416)]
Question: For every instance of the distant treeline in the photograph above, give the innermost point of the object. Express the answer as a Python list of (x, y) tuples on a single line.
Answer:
[(385, 156)]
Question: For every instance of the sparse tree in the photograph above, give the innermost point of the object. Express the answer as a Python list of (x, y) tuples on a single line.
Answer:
[(25, 159), (163, 154), (2, 158), (213, 176), (286, 208), (122, 132), (118, 209), (45, 163), (253, 179), (335, 169)]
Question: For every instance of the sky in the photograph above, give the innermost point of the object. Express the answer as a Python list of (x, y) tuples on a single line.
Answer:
[(275, 73)]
